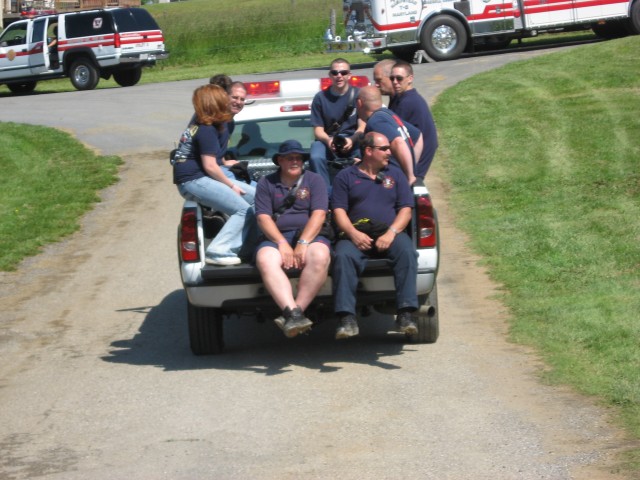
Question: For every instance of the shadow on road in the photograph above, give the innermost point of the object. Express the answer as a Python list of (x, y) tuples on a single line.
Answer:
[(162, 341)]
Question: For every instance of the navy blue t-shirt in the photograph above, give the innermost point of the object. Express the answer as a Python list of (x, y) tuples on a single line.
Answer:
[(364, 197), (412, 108), (311, 195), (382, 121), (208, 140), (327, 108)]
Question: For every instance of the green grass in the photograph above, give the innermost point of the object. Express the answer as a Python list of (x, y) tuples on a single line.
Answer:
[(543, 159), (49, 181)]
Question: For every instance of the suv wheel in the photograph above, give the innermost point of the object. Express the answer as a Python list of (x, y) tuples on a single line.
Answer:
[(129, 77), (26, 87), (84, 74), (205, 330)]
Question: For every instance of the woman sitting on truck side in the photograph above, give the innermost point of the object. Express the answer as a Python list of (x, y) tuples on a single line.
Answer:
[(198, 174), (290, 210)]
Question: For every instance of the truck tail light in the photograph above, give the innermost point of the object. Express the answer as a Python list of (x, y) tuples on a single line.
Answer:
[(263, 88), (295, 108), (189, 249), (426, 229), (116, 39)]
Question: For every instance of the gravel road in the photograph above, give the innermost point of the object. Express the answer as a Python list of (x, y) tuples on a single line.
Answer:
[(97, 380)]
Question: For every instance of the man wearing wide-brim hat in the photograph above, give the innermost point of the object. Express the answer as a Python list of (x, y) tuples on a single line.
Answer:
[(291, 207)]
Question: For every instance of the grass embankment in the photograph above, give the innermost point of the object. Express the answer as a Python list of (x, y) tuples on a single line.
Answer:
[(543, 159), (49, 180)]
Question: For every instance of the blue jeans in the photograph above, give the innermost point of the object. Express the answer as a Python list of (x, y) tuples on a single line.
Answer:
[(241, 224), (349, 263)]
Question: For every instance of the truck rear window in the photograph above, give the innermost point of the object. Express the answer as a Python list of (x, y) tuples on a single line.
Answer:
[(134, 20)]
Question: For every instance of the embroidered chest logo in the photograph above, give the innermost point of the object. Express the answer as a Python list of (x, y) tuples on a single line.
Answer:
[(388, 182), (302, 193)]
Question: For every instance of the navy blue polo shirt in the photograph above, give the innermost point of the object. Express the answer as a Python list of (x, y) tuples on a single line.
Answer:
[(383, 122), (364, 197), (311, 195)]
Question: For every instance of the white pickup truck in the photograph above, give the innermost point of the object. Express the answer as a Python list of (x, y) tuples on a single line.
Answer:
[(278, 111)]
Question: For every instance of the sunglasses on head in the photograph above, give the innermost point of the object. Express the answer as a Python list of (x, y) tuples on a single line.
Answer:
[(398, 78), (335, 73)]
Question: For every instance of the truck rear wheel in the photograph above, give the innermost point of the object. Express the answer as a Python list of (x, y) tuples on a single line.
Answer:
[(26, 87), (634, 19), (129, 77), (443, 38), (205, 330), (427, 319), (84, 74)]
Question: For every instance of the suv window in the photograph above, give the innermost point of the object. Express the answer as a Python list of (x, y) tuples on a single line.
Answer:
[(87, 24), (134, 20), (14, 35)]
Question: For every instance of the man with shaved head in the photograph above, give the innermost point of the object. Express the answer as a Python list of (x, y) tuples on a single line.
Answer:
[(404, 138)]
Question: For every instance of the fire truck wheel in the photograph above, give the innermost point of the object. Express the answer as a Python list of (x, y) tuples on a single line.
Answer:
[(129, 77), (26, 87), (84, 74), (634, 19), (443, 38)]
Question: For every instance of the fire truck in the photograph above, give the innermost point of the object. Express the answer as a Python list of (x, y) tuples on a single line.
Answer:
[(444, 29)]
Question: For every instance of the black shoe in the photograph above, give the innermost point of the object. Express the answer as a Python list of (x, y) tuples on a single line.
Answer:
[(347, 327), (405, 324), (295, 322)]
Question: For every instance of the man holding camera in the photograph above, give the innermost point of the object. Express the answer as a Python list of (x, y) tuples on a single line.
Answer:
[(336, 126)]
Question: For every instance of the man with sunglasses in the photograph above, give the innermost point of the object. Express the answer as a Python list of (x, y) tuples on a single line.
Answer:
[(333, 116), (372, 205), (409, 105)]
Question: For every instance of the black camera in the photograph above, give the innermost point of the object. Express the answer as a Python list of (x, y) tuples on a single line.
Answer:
[(340, 146)]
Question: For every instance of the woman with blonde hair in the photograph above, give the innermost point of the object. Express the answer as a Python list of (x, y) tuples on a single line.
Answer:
[(198, 176)]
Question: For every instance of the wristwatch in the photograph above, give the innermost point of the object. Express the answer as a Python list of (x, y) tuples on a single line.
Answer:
[(303, 242)]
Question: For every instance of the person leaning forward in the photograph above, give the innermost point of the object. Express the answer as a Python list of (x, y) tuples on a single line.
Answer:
[(291, 207), (373, 194), (405, 139)]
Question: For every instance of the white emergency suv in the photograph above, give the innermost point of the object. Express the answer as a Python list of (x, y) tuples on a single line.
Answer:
[(444, 29), (84, 46), (277, 111)]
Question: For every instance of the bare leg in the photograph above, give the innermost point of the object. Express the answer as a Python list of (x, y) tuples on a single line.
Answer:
[(269, 262), (313, 275)]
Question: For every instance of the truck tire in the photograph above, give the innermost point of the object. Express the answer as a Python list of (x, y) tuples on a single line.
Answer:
[(610, 30), (443, 38), (84, 74), (26, 87), (205, 330), (634, 19), (427, 319), (129, 77)]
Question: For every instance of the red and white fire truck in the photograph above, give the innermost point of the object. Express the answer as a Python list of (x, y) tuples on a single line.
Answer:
[(445, 29)]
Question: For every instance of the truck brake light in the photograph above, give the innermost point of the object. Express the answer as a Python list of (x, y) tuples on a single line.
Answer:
[(355, 81), (116, 39), (295, 108), (189, 251), (427, 231)]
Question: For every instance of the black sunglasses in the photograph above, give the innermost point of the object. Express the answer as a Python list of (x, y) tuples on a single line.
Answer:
[(383, 148), (399, 78), (335, 73)]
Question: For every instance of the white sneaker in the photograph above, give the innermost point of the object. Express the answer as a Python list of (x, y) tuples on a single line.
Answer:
[(223, 261)]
